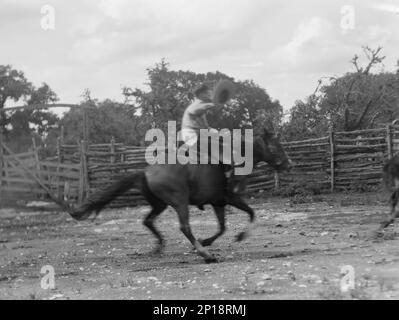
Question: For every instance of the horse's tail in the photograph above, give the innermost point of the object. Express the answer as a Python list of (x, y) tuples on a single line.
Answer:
[(99, 201)]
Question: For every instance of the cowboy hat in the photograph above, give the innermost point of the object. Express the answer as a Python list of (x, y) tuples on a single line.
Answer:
[(223, 91), (200, 88)]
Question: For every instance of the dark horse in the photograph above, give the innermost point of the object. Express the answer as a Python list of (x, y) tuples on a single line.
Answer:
[(391, 176), (182, 185)]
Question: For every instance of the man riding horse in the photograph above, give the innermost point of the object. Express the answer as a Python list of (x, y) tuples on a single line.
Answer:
[(180, 185), (195, 119)]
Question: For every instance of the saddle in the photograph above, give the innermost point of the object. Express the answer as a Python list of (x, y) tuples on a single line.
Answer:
[(208, 155), (235, 184)]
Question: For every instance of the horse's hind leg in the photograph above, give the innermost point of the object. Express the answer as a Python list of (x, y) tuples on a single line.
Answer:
[(158, 206), (219, 211), (183, 213), (149, 223), (394, 211), (236, 201)]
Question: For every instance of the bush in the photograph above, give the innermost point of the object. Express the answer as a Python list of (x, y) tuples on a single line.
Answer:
[(362, 186), (299, 189), (299, 193)]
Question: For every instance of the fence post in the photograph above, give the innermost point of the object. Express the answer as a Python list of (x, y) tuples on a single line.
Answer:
[(1, 163), (332, 160), (389, 141), (36, 153), (81, 178), (37, 161), (85, 124), (59, 160), (112, 150), (276, 181), (85, 168), (62, 134), (84, 187)]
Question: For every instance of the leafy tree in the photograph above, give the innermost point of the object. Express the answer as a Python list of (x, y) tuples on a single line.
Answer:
[(306, 121), (170, 92), (42, 95), (357, 100), (13, 86), (26, 123), (251, 107), (106, 119), (361, 99)]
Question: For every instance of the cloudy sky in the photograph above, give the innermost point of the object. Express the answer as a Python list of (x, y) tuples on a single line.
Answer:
[(285, 46)]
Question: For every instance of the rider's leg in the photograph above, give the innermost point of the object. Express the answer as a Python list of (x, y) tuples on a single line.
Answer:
[(227, 154), (190, 140), (189, 136)]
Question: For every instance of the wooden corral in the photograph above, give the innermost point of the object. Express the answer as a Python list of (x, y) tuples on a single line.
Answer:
[(27, 177), (342, 161), (337, 162), (312, 163)]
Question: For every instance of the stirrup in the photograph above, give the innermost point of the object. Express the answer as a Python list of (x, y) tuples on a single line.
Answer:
[(228, 173), (233, 188), (233, 185)]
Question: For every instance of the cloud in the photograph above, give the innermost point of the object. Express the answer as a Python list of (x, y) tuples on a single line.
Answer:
[(104, 44), (252, 65), (305, 34), (387, 7)]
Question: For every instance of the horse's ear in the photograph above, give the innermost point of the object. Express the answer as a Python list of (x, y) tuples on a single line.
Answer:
[(267, 134)]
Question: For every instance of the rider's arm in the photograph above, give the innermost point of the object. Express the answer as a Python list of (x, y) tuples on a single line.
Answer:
[(201, 108)]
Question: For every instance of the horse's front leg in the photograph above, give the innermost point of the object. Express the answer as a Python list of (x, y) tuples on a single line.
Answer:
[(183, 213), (236, 201), (220, 214), (394, 212), (157, 209)]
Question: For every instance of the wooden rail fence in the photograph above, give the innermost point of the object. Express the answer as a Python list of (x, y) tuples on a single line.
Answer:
[(336, 162), (26, 177)]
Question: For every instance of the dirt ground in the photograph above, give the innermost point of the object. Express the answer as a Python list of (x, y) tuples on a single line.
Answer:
[(296, 251)]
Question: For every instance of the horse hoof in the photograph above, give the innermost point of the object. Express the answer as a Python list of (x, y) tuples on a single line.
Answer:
[(204, 243), (378, 234), (241, 236), (211, 260), (157, 250)]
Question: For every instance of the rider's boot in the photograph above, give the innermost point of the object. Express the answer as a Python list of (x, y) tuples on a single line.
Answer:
[(233, 181)]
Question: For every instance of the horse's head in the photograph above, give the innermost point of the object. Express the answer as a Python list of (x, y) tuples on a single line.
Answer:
[(271, 151)]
